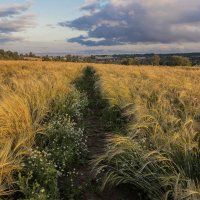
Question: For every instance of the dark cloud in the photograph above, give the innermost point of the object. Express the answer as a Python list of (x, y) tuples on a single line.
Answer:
[(13, 18), (89, 42), (133, 21), (14, 9)]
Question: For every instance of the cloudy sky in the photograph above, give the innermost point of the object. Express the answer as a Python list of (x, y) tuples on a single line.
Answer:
[(100, 26)]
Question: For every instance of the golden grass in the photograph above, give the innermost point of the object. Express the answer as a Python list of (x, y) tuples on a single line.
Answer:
[(27, 88), (163, 105)]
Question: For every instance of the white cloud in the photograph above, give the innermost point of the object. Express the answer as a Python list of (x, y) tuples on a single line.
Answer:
[(13, 19), (138, 21)]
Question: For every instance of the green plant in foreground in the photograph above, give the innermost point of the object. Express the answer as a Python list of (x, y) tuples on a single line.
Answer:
[(38, 179), (72, 104), (66, 143), (62, 145), (128, 162)]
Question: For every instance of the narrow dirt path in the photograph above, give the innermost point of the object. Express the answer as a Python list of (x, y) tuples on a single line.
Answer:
[(94, 129)]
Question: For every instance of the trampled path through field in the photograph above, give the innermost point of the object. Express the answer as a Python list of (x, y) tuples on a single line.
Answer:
[(94, 129)]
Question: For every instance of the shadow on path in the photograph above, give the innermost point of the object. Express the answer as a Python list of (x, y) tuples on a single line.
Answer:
[(99, 119)]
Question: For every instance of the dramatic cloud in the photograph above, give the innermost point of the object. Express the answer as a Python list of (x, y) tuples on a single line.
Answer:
[(13, 19), (117, 22)]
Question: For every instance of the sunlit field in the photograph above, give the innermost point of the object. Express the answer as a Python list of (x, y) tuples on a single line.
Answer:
[(160, 151), (27, 89), (42, 135)]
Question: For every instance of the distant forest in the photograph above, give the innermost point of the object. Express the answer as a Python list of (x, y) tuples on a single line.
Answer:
[(185, 59), (10, 55)]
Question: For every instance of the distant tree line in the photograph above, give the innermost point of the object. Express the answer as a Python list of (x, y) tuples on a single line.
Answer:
[(176, 61), (147, 59), (156, 60), (10, 55)]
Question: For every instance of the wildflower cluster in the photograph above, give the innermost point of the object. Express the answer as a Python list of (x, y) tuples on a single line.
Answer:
[(73, 104), (67, 142), (38, 179), (56, 151)]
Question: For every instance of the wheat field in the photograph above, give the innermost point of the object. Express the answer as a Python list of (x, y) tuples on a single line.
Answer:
[(26, 88), (159, 152)]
